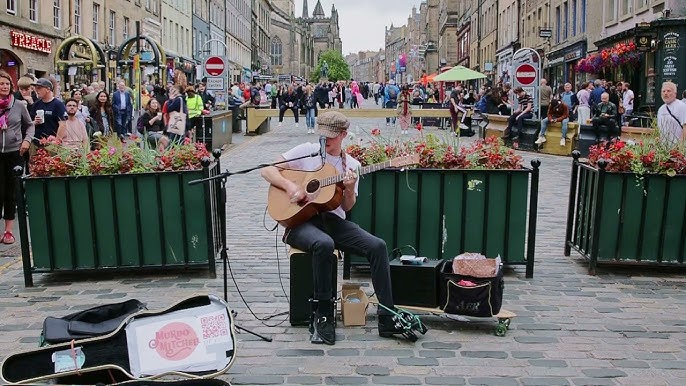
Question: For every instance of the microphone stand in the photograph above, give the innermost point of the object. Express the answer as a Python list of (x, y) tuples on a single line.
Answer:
[(221, 208)]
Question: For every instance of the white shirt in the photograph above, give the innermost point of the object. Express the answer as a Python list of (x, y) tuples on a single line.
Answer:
[(268, 88), (671, 131), (628, 100), (314, 163)]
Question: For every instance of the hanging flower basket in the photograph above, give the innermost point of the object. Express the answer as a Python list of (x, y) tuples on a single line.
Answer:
[(620, 54)]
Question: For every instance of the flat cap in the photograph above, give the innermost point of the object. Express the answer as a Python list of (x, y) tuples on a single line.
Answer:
[(332, 123)]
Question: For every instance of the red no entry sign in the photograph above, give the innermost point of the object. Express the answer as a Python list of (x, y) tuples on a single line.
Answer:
[(214, 66), (525, 74)]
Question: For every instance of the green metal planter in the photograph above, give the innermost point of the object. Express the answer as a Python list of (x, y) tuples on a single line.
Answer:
[(617, 218), (442, 213), (130, 221)]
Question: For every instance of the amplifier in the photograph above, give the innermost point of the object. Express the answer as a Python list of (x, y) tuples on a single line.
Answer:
[(415, 284), (302, 286)]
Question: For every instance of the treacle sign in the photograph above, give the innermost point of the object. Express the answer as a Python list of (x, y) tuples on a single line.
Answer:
[(30, 42)]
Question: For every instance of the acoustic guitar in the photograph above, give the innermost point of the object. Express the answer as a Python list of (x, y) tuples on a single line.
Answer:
[(324, 189)]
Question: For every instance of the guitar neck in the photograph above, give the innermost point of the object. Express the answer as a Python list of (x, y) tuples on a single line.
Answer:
[(361, 171)]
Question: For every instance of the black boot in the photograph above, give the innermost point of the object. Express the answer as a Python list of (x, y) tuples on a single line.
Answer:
[(401, 323), (323, 325)]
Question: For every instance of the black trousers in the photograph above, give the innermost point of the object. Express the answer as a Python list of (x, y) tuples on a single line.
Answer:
[(283, 109), (326, 231), (8, 183)]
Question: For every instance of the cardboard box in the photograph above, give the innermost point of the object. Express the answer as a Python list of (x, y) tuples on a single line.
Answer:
[(354, 305)]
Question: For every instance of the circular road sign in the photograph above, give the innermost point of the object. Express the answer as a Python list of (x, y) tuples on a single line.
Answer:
[(214, 66), (525, 74)]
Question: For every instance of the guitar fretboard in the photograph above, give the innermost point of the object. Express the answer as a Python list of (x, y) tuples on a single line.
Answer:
[(363, 170)]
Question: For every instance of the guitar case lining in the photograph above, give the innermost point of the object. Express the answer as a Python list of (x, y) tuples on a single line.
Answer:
[(107, 357)]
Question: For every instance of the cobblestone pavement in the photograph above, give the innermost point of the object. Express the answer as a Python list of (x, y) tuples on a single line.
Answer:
[(621, 327)]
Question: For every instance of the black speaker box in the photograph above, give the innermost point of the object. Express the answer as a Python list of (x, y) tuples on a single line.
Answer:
[(302, 286), (415, 285)]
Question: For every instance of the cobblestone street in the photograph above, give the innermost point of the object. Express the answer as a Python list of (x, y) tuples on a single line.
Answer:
[(621, 327)]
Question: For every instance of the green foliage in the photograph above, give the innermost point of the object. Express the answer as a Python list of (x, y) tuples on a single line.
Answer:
[(338, 68)]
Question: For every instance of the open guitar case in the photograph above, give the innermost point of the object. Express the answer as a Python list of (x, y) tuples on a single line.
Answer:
[(193, 339)]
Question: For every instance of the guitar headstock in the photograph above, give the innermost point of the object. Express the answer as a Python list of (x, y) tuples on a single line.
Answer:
[(406, 160)]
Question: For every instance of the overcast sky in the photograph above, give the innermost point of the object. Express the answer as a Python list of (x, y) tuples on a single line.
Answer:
[(362, 22)]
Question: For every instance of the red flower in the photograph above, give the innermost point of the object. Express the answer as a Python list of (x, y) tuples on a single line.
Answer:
[(376, 132)]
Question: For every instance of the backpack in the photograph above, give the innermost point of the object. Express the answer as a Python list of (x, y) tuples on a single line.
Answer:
[(392, 93), (140, 124)]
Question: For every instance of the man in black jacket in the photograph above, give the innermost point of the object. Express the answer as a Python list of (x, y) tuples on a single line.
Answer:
[(289, 101), (321, 93)]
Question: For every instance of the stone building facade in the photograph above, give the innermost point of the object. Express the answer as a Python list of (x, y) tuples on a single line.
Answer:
[(297, 42)]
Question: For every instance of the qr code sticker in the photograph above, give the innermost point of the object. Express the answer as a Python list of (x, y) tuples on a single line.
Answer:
[(214, 326)]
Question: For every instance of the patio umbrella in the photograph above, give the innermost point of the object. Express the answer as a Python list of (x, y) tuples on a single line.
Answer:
[(458, 73)]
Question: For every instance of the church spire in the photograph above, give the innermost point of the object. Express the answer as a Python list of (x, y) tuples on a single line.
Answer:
[(318, 10), (306, 13)]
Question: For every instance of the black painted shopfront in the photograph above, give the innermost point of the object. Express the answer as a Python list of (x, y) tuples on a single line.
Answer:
[(562, 65)]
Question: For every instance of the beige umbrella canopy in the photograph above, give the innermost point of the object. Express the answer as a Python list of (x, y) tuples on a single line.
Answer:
[(458, 73)]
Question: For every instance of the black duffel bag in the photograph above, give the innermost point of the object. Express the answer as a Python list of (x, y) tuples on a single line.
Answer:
[(470, 296), (96, 321)]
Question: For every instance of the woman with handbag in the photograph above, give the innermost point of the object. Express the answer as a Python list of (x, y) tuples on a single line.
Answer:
[(177, 113), (14, 119)]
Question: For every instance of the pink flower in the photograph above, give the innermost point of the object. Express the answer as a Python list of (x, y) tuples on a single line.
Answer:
[(112, 151)]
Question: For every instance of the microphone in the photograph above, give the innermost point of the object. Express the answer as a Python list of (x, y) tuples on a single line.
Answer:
[(322, 147)]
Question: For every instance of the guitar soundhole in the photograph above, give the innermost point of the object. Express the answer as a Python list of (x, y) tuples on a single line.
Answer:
[(312, 186)]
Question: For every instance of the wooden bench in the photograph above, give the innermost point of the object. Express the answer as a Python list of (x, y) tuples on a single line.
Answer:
[(257, 118), (637, 133), (553, 135)]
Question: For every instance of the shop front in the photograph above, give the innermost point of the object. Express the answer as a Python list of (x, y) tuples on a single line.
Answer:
[(504, 65), (26, 52), (152, 62), (79, 61), (562, 65), (670, 55)]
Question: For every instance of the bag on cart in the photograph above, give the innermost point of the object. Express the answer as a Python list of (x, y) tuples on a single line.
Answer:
[(468, 295)]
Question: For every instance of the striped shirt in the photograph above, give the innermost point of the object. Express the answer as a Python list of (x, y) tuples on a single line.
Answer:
[(524, 101)]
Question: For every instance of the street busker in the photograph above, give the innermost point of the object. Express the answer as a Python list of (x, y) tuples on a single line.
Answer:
[(327, 231)]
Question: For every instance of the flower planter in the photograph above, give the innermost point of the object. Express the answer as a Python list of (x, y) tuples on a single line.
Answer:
[(617, 218), (127, 221), (444, 212)]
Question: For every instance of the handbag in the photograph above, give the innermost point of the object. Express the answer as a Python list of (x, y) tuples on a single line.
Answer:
[(177, 121)]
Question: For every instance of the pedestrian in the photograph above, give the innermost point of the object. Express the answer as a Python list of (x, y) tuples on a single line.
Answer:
[(310, 104), (627, 102), (671, 116), (404, 109), (391, 92), (558, 112), (73, 134), (605, 115), (546, 94), (515, 123), (102, 116), (14, 120), (122, 106), (50, 112), (289, 101), (584, 98), (328, 230), (456, 106)]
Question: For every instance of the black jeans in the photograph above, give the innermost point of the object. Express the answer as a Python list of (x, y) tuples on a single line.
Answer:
[(8, 183), (515, 125), (326, 231), (283, 109), (609, 123)]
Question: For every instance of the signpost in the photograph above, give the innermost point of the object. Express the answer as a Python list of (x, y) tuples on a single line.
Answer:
[(215, 67), (527, 75)]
